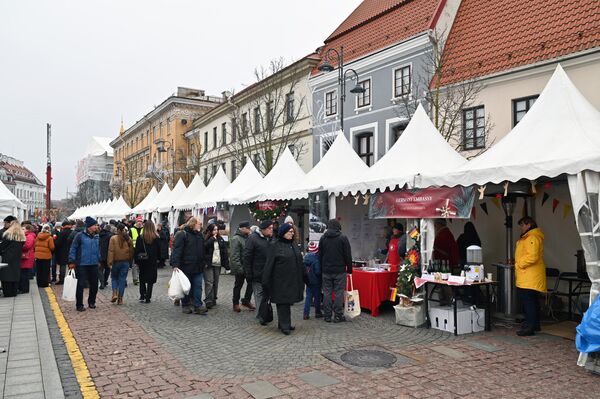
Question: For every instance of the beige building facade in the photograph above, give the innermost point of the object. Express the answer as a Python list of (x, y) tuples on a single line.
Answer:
[(256, 124), (153, 151)]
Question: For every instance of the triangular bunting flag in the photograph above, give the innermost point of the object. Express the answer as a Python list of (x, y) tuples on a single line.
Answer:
[(545, 198), (555, 203), (483, 206), (567, 208), (496, 202)]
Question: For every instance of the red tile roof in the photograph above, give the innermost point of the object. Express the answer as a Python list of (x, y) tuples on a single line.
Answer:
[(493, 36), (377, 24), (19, 173)]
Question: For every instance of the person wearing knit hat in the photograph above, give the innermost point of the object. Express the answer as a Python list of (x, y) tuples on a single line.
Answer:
[(289, 219), (312, 266), (254, 258), (283, 276), (236, 256), (335, 255), (84, 256)]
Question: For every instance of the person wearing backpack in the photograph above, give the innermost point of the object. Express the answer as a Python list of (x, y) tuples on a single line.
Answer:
[(188, 256)]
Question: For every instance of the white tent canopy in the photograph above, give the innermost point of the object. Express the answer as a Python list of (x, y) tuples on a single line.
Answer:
[(141, 207), (153, 204), (117, 210), (167, 202), (213, 191), (559, 134), (285, 175), (10, 204), (248, 178), (339, 168), (188, 199)]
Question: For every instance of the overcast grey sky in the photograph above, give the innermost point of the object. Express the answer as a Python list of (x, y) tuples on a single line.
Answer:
[(80, 65)]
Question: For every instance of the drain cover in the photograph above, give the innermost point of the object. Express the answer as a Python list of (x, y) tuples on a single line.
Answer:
[(368, 358)]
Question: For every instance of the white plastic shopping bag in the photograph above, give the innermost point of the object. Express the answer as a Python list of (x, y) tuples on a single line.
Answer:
[(69, 286), (351, 301), (186, 286), (175, 291)]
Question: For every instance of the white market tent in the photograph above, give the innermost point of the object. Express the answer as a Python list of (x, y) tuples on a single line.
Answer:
[(152, 205), (285, 175), (408, 157), (141, 207), (213, 191), (165, 204), (188, 199), (559, 134), (248, 178), (10, 204), (117, 210), (339, 167), (99, 210)]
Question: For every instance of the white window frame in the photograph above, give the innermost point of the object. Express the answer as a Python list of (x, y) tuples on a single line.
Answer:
[(374, 127), (337, 102), (370, 104), (394, 97), (388, 130)]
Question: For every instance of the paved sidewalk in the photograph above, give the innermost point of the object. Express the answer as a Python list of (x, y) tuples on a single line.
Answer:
[(28, 368)]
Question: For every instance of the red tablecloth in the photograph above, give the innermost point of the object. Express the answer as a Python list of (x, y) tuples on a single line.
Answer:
[(373, 288)]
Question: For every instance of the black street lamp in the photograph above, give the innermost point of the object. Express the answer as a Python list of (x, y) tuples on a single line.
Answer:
[(163, 146), (338, 56)]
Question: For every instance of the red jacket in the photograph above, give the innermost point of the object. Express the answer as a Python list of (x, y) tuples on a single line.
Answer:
[(445, 247), (28, 256)]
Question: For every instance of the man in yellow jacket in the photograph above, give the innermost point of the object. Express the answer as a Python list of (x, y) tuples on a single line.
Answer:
[(530, 273)]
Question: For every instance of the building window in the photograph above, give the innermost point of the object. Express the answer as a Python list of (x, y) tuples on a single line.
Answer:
[(521, 106), (364, 147), (214, 171), (256, 120), (270, 115), (233, 170), (256, 160), (244, 123), (402, 81), (331, 103), (364, 99), (205, 176), (214, 137), (153, 133), (289, 107), (474, 128), (396, 131), (168, 126), (160, 129), (223, 133), (224, 167), (292, 148), (205, 141), (244, 160)]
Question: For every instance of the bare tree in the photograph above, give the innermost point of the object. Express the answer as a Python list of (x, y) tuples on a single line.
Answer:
[(445, 102), (132, 185), (265, 124)]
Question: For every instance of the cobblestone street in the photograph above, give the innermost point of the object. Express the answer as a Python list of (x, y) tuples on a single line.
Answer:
[(153, 350)]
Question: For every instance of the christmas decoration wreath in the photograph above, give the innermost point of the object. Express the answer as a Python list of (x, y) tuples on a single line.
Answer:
[(280, 209)]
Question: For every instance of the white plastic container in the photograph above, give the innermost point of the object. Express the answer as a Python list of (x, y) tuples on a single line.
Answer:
[(474, 254)]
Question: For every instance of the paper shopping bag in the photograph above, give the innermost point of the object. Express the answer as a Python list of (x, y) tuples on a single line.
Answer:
[(351, 301)]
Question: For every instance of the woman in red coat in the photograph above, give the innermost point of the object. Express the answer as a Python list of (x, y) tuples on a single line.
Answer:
[(27, 258)]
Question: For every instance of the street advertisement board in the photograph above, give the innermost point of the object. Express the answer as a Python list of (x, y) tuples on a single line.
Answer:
[(318, 214)]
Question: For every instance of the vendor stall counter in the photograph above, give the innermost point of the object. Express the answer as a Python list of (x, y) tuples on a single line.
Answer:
[(373, 287)]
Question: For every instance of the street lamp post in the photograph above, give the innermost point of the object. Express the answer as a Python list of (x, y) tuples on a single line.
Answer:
[(165, 146), (338, 56)]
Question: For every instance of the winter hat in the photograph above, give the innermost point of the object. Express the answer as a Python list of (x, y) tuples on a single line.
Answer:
[(284, 228), (9, 218), (244, 224), (333, 224), (46, 228), (265, 224), (313, 247), (288, 219), (89, 222)]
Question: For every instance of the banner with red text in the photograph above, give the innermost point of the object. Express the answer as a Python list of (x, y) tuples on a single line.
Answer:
[(450, 203)]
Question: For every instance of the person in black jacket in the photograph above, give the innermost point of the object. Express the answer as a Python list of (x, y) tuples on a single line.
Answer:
[(283, 276), (11, 249), (61, 248), (163, 235), (215, 259), (335, 255), (148, 243), (189, 257), (103, 269), (255, 257)]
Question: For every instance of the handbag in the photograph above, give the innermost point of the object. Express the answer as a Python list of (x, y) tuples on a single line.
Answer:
[(265, 310), (351, 301), (143, 255)]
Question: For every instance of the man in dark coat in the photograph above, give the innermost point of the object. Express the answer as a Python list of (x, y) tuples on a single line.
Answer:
[(61, 253), (84, 257), (255, 257), (335, 255), (188, 255), (236, 254), (163, 235), (103, 269)]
